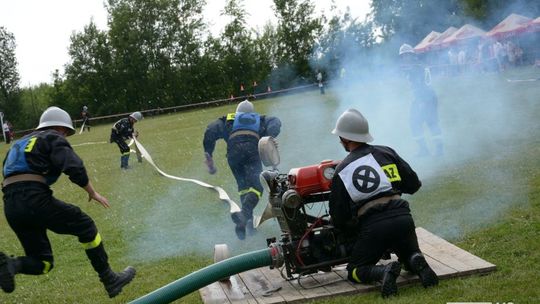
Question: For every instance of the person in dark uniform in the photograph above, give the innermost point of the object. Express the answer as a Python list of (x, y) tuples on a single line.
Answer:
[(85, 115), (242, 131), (31, 166), (123, 130), (424, 107), (365, 199)]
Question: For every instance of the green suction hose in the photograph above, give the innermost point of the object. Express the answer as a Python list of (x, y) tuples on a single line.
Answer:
[(212, 273)]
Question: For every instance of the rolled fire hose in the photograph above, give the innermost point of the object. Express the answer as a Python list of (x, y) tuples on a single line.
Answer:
[(222, 194), (272, 256)]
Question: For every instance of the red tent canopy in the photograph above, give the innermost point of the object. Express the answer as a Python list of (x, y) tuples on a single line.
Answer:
[(510, 26), (534, 25), (465, 33), (436, 44), (424, 44)]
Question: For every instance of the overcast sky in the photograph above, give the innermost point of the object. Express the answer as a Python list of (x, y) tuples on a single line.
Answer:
[(42, 27)]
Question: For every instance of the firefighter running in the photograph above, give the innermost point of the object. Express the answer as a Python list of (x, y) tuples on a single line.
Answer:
[(365, 199), (31, 166), (241, 131), (123, 130)]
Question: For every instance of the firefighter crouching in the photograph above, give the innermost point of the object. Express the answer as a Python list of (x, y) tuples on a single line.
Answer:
[(366, 199), (32, 164), (123, 130), (241, 131)]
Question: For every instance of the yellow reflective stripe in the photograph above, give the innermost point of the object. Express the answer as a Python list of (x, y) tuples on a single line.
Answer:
[(231, 116), (354, 276), (392, 173), (127, 153), (92, 244), (30, 144), (46, 266), (251, 189)]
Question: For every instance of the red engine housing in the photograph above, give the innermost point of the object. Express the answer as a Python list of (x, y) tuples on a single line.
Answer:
[(312, 179)]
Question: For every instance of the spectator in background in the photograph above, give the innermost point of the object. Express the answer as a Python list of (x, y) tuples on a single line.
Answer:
[(320, 81), (8, 131), (85, 115), (462, 60)]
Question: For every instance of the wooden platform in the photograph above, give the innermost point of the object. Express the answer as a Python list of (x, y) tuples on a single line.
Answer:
[(265, 285)]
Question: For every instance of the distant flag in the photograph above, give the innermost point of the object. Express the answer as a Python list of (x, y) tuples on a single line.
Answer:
[(268, 89), (232, 97), (242, 87), (254, 83)]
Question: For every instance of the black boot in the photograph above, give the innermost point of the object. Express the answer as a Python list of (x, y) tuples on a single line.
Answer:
[(114, 282), (387, 275), (419, 266), (240, 221), (7, 273)]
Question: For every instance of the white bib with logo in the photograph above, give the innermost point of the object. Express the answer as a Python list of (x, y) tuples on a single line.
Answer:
[(364, 178)]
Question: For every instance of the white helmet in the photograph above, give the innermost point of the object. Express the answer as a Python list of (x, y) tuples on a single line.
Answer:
[(406, 49), (85, 108), (352, 125), (245, 106), (54, 116), (136, 115)]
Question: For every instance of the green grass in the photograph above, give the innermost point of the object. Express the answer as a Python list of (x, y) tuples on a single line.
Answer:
[(483, 195)]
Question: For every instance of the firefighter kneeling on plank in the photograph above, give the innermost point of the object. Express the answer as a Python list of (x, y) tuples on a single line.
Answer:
[(33, 164), (120, 132), (366, 200), (241, 131)]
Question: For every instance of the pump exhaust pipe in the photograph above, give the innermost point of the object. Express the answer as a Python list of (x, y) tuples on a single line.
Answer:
[(271, 256)]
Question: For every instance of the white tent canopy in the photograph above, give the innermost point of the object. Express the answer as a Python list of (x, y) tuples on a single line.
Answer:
[(426, 42), (512, 25)]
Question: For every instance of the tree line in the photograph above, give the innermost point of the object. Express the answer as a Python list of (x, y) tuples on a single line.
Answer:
[(160, 53)]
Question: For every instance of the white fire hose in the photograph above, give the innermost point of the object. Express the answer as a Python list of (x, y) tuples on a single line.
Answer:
[(141, 152)]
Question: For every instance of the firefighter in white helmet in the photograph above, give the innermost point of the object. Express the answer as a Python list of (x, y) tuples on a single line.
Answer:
[(241, 131), (123, 130), (31, 166), (424, 107), (365, 199)]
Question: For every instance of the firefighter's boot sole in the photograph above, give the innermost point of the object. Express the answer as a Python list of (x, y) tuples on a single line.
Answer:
[(389, 285), (427, 276)]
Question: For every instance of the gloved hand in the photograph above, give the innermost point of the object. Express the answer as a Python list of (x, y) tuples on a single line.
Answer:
[(210, 163)]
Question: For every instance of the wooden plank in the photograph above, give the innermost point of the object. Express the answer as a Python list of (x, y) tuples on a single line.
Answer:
[(446, 259), (213, 294), (236, 291), (475, 262), (261, 288), (451, 255), (287, 291), (334, 283), (310, 288)]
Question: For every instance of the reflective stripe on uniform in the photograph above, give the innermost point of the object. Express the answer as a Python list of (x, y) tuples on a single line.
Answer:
[(251, 189), (231, 116), (355, 276), (126, 153), (92, 244), (46, 266)]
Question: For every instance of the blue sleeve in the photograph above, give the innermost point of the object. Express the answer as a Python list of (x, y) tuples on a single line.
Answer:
[(272, 126), (214, 132)]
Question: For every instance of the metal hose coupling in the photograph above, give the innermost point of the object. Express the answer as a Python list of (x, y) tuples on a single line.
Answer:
[(276, 253)]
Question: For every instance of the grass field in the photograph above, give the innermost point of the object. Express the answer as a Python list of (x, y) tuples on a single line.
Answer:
[(483, 195)]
